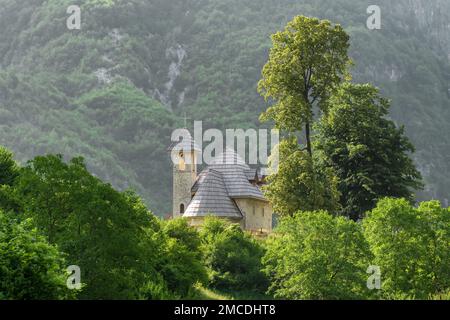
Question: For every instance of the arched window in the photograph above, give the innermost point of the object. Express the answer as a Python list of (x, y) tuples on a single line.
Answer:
[(182, 162), (182, 208), (263, 214)]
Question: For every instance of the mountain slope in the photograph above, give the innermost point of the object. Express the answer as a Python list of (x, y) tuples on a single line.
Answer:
[(114, 91)]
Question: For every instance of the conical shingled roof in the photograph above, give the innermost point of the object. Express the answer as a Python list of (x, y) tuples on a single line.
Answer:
[(212, 198), (235, 175), (252, 174), (238, 185), (229, 158)]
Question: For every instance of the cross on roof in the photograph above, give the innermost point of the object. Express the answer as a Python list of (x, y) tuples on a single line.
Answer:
[(185, 120)]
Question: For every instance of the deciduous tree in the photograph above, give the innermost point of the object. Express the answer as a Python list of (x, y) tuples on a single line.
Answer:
[(30, 267), (299, 184), (411, 247), (314, 255), (307, 61), (369, 154)]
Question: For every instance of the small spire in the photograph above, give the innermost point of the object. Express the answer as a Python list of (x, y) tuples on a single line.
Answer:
[(185, 120)]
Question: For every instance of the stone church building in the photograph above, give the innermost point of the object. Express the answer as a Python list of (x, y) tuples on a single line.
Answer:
[(228, 188)]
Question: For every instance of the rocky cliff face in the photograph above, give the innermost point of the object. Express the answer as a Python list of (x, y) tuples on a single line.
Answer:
[(433, 18)]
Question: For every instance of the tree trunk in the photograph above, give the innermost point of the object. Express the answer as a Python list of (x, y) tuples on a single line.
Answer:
[(308, 138)]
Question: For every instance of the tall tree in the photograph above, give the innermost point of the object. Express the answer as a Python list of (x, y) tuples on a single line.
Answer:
[(299, 184), (368, 153), (307, 61), (9, 169)]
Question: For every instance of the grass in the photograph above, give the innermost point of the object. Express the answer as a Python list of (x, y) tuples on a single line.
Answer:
[(208, 294), (202, 293)]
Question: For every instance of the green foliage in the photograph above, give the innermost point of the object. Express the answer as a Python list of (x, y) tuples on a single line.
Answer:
[(9, 170), (53, 99), (156, 289), (314, 255), (435, 221), (115, 128), (30, 268), (368, 153), (411, 246), (306, 62), (300, 184), (181, 259), (123, 251), (106, 233), (232, 257), (8, 199), (8, 167)]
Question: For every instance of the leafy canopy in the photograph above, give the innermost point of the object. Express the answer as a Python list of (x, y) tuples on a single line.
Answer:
[(232, 257), (313, 255), (299, 184), (105, 232), (308, 59), (30, 267), (411, 246), (180, 263), (367, 152), (8, 167)]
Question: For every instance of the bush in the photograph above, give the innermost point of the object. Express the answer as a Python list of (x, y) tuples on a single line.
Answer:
[(180, 264), (232, 257), (30, 268), (411, 247), (314, 255)]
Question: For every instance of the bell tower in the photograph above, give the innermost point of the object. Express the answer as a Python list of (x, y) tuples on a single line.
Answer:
[(184, 157)]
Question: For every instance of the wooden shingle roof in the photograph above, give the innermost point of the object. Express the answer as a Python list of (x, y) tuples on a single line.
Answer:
[(212, 198), (218, 185), (237, 174)]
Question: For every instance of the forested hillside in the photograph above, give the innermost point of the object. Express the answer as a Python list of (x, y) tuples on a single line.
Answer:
[(114, 91)]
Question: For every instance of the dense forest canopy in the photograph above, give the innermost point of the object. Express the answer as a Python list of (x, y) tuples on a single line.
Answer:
[(113, 91)]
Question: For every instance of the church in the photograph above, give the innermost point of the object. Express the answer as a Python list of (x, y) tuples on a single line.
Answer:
[(227, 188)]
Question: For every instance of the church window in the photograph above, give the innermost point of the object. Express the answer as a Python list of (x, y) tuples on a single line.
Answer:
[(182, 208), (181, 163), (263, 214)]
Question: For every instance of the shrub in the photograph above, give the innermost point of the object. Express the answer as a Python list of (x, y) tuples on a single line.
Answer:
[(30, 268), (232, 257), (411, 247), (314, 255), (180, 264)]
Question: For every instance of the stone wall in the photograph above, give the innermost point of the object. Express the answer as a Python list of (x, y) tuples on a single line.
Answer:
[(184, 175), (257, 215)]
